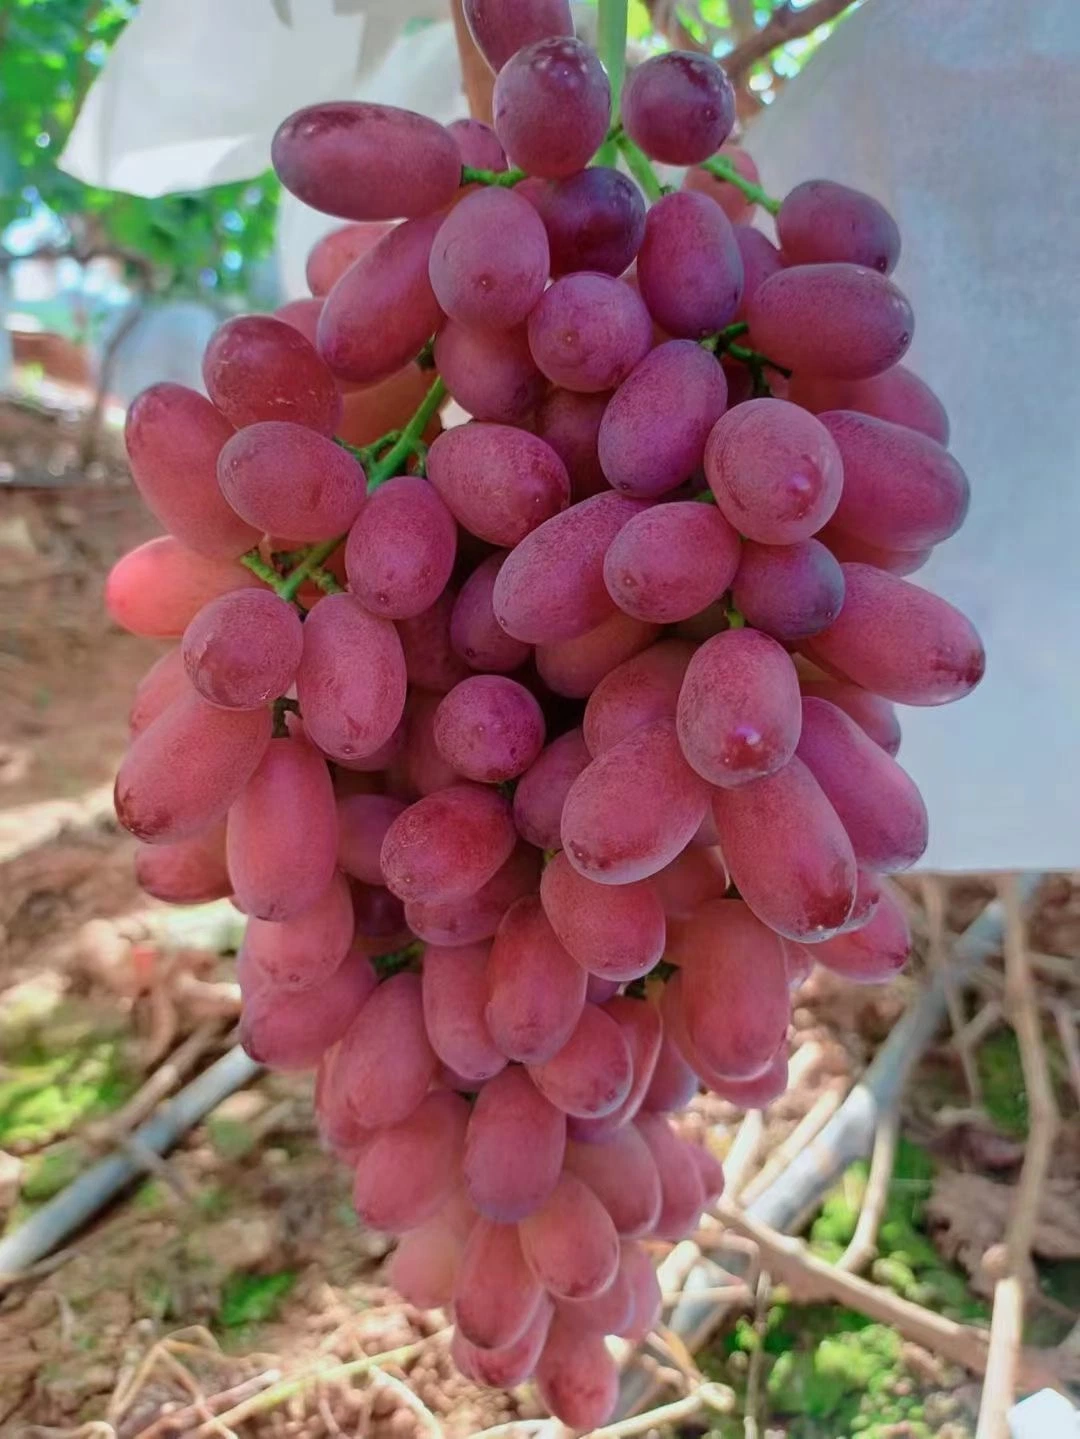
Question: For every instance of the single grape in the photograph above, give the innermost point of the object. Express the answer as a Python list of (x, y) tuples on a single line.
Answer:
[(672, 1086), (874, 953), (821, 221), (689, 267), (459, 922), (681, 1185), (536, 990), (289, 1029), (615, 931), (362, 822), (870, 712), (575, 667), (498, 481), (489, 728), (639, 691), (446, 845), (789, 591), (606, 1313), (591, 1074), (514, 1148), (570, 423), (868, 893), (408, 1170), (500, 29), (256, 367), (760, 259), (333, 253), (423, 1267), (243, 649), (570, 1243), (475, 633), (679, 107), (431, 662), (850, 549), (351, 681), (511, 1365), (576, 1377), (478, 145), (496, 1293), (642, 1029), (693, 877), (489, 260), (622, 1174), (454, 984), (729, 197), (401, 549), (289, 480), (542, 789), (302, 952), (896, 395), (588, 331), (671, 561), (165, 681), (386, 1062), (490, 373), (760, 1091), (552, 104), (191, 871), (595, 220)]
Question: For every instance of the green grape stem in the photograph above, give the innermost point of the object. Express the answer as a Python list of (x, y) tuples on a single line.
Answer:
[(723, 169), (639, 166), (611, 47), (506, 178)]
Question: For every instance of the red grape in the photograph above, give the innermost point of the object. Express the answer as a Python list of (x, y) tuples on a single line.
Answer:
[(408, 1170), (498, 481), (480, 281), (496, 1293), (789, 591), (679, 107), (191, 871), (536, 990), (259, 368), (446, 845), (575, 667), (489, 728), (591, 1074), (542, 789), (401, 549), (821, 221), (514, 1148), (552, 104), (876, 952), (671, 561), (490, 373), (616, 931), (243, 649), (475, 633), (500, 29), (637, 692), (455, 989), (351, 680), (689, 267), (588, 331), (289, 480), (334, 252), (595, 220)]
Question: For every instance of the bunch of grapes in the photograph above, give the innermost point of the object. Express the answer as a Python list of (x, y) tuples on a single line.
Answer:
[(545, 753)]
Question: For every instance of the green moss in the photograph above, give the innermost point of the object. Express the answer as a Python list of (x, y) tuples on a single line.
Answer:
[(46, 1094), (1002, 1077), (253, 1298), (51, 1170)]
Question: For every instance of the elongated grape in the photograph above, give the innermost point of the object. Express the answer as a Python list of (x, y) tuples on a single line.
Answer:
[(542, 789), (420, 769), (570, 1243), (670, 562), (850, 549), (899, 641), (430, 660), (333, 253), (511, 1365), (157, 588), (489, 728), (642, 1029), (588, 331), (191, 871), (282, 843), (464, 921), (606, 1313), (386, 1061), (689, 267), (551, 586), (302, 315), (591, 1074), (595, 220), (552, 104), (622, 1174), (787, 852), (838, 320), (366, 162), (475, 634), (738, 714), (734, 989), (681, 1183), (570, 423), (496, 1293), (289, 480), (608, 835), (760, 1091), (822, 221), (789, 591), (383, 310), (760, 259), (351, 680), (243, 649), (256, 367), (536, 990), (490, 373), (867, 898), (362, 822), (478, 145), (425, 1263), (173, 437), (639, 691), (185, 769), (401, 549), (901, 490), (896, 395), (679, 107), (500, 30), (576, 1376), (514, 1148), (615, 931), (498, 481), (673, 1084), (409, 1169), (729, 197), (165, 681), (876, 952), (480, 283), (870, 712), (653, 433), (446, 845), (776, 471), (288, 1029), (879, 805), (695, 876), (301, 952), (454, 984), (383, 758), (575, 667)]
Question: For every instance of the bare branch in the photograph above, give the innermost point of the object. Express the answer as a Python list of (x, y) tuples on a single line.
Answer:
[(863, 1246), (785, 24), (476, 74)]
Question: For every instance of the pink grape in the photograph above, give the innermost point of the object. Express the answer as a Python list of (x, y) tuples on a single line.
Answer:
[(575, 667), (475, 633), (876, 952), (425, 1263), (577, 1378), (738, 715), (380, 919), (850, 549), (648, 1301), (285, 1029), (386, 1062), (570, 423), (760, 1091), (478, 145), (899, 641), (734, 989), (289, 480), (366, 162), (165, 681), (430, 660), (608, 834), (362, 822), (673, 1084), (878, 803), (615, 931), (760, 259), (643, 1031), (384, 758), (679, 107), (301, 952), (159, 587), (500, 30), (243, 649), (191, 871), (173, 437), (681, 1184), (479, 282), (496, 1293), (490, 373), (542, 789), (588, 331), (498, 481), (591, 1074), (901, 490), (689, 267), (821, 221), (551, 586), (800, 960), (382, 311), (653, 433), (788, 591), (787, 851), (696, 875), (401, 549), (302, 315), (514, 1148), (607, 1313), (510, 1366), (489, 728), (420, 769), (839, 320), (776, 471), (454, 984), (333, 253), (351, 681), (729, 197), (595, 220), (282, 834), (637, 692), (896, 395), (536, 990), (408, 1170), (256, 367), (570, 1242), (671, 561), (464, 921), (599, 991), (870, 712), (622, 1173), (552, 104), (867, 899), (184, 770), (446, 845)]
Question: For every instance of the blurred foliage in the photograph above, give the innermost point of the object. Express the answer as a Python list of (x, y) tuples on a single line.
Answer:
[(253, 1298), (50, 53)]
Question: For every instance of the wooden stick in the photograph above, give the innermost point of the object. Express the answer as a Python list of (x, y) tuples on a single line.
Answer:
[(863, 1246), (476, 74), (934, 895), (808, 1128), (742, 1156), (705, 1396)]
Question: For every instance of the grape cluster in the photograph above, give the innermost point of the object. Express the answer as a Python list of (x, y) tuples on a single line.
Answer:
[(545, 753)]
